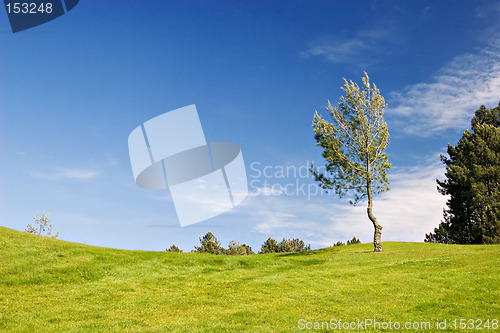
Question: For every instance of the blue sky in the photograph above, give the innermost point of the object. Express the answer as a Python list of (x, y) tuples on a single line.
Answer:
[(72, 90)]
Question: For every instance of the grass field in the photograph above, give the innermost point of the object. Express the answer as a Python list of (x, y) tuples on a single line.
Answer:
[(48, 285)]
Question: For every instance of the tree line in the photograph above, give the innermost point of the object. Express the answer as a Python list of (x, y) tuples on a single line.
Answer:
[(210, 244)]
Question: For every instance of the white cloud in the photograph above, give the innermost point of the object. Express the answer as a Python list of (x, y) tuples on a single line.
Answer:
[(340, 50), (77, 173), (448, 102), (412, 208)]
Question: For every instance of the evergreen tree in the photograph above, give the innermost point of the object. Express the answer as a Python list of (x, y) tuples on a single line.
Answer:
[(286, 245), (269, 246), (293, 245), (210, 244), (353, 241), (473, 184)]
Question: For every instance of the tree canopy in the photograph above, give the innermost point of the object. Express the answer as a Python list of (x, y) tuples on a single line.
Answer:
[(354, 147), (286, 245), (472, 181), (210, 244)]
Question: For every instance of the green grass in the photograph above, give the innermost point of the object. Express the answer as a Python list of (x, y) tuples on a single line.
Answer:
[(48, 285)]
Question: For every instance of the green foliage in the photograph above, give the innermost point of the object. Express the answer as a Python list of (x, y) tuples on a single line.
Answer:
[(353, 241), (354, 147), (293, 245), (286, 245), (354, 144), (210, 244), (48, 285), (473, 184), (174, 248), (41, 226), (269, 246), (235, 248)]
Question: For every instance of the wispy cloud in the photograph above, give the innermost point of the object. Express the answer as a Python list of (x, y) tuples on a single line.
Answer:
[(449, 100), (341, 50), (412, 208), (76, 173), (489, 10), (65, 173)]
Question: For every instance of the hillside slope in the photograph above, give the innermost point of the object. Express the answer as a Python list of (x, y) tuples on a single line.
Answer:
[(48, 285)]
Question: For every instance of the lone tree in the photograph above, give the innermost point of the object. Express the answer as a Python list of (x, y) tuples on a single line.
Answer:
[(473, 184), (41, 226), (354, 145), (209, 243)]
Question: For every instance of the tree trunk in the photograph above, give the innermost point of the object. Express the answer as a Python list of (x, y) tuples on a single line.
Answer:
[(377, 234), (377, 241)]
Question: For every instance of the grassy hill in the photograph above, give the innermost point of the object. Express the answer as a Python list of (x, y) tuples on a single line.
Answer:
[(48, 285)]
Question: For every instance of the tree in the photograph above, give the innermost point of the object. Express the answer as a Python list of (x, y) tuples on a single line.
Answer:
[(210, 244), (293, 245), (41, 226), (174, 248), (472, 215), (269, 246), (245, 249), (354, 147), (235, 248), (286, 245), (353, 241)]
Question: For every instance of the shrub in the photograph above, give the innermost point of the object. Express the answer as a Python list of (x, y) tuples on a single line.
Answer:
[(353, 241), (235, 248), (174, 248), (286, 245)]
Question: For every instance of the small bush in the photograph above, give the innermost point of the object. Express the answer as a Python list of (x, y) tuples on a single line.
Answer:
[(353, 241), (174, 248)]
